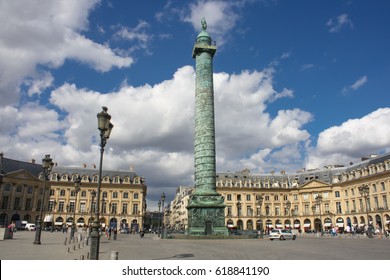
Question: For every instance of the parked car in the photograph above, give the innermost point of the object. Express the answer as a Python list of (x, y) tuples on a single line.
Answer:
[(30, 227), (281, 234)]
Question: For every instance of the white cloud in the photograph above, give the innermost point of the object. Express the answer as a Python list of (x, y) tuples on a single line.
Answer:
[(153, 126), (356, 85), (335, 25), (370, 134), (46, 33), (137, 34), (221, 17)]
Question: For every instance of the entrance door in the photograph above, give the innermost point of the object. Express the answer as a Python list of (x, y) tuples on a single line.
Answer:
[(209, 228)]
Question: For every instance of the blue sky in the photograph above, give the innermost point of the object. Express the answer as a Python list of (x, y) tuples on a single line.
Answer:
[(297, 83)]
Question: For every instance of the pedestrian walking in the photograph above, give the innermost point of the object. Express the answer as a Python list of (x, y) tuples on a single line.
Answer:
[(115, 233)]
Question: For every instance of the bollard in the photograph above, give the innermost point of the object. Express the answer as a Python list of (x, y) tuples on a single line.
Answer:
[(86, 241), (79, 245), (66, 240), (82, 257), (114, 255), (87, 255), (68, 250), (74, 247)]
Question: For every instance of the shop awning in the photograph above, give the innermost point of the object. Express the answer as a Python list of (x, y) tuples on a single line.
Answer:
[(387, 222), (270, 225), (58, 223), (361, 225), (307, 225), (48, 219), (297, 225), (80, 224), (327, 224), (340, 224)]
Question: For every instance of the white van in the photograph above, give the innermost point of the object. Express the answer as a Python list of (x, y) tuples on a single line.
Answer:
[(31, 227)]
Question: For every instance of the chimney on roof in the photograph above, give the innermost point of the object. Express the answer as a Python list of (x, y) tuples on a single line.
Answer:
[(131, 168), (32, 160), (84, 165), (94, 166)]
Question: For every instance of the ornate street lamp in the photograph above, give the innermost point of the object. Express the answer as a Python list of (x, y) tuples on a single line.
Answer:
[(159, 219), (47, 165), (93, 195), (53, 209), (267, 214), (313, 209), (319, 202), (109, 214), (260, 200), (364, 191), (163, 216), (76, 189), (238, 213), (105, 126), (288, 207)]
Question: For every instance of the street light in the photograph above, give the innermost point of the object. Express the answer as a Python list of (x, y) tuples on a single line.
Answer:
[(47, 165), (267, 214), (163, 216), (93, 195), (77, 189), (238, 213), (105, 127), (319, 202), (159, 217), (54, 208), (364, 191), (260, 199), (313, 209), (288, 207)]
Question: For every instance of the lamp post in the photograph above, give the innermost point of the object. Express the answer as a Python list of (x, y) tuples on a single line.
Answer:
[(260, 199), (163, 216), (267, 214), (288, 207), (319, 202), (105, 127), (159, 219), (47, 165), (238, 212), (364, 191), (54, 208), (93, 195), (313, 209), (66, 217), (76, 189)]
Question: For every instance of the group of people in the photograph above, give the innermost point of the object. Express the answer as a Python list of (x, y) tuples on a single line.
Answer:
[(110, 231)]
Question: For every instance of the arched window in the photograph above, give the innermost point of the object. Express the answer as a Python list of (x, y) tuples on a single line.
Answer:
[(115, 195)]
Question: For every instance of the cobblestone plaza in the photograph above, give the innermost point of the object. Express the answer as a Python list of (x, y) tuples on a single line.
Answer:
[(132, 247)]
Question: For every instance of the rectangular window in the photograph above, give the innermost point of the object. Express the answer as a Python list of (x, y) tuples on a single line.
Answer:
[(285, 197), (376, 202), (71, 206), (229, 210), (373, 187), (266, 198), (277, 210), (248, 197), (337, 194), (383, 186), (354, 205), (114, 208), (249, 210), (135, 209), (136, 196), (327, 208), (347, 206), (17, 203), (276, 197), (305, 196), (61, 206), (295, 197), (82, 207), (239, 197), (28, 204), (338, 207), (124, 208), (346, 192), (104, 207), (307, 211), (229, 197), (385, 202)]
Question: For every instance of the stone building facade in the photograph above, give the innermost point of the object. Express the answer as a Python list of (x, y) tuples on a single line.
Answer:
[(123, 195), (289, 200)]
